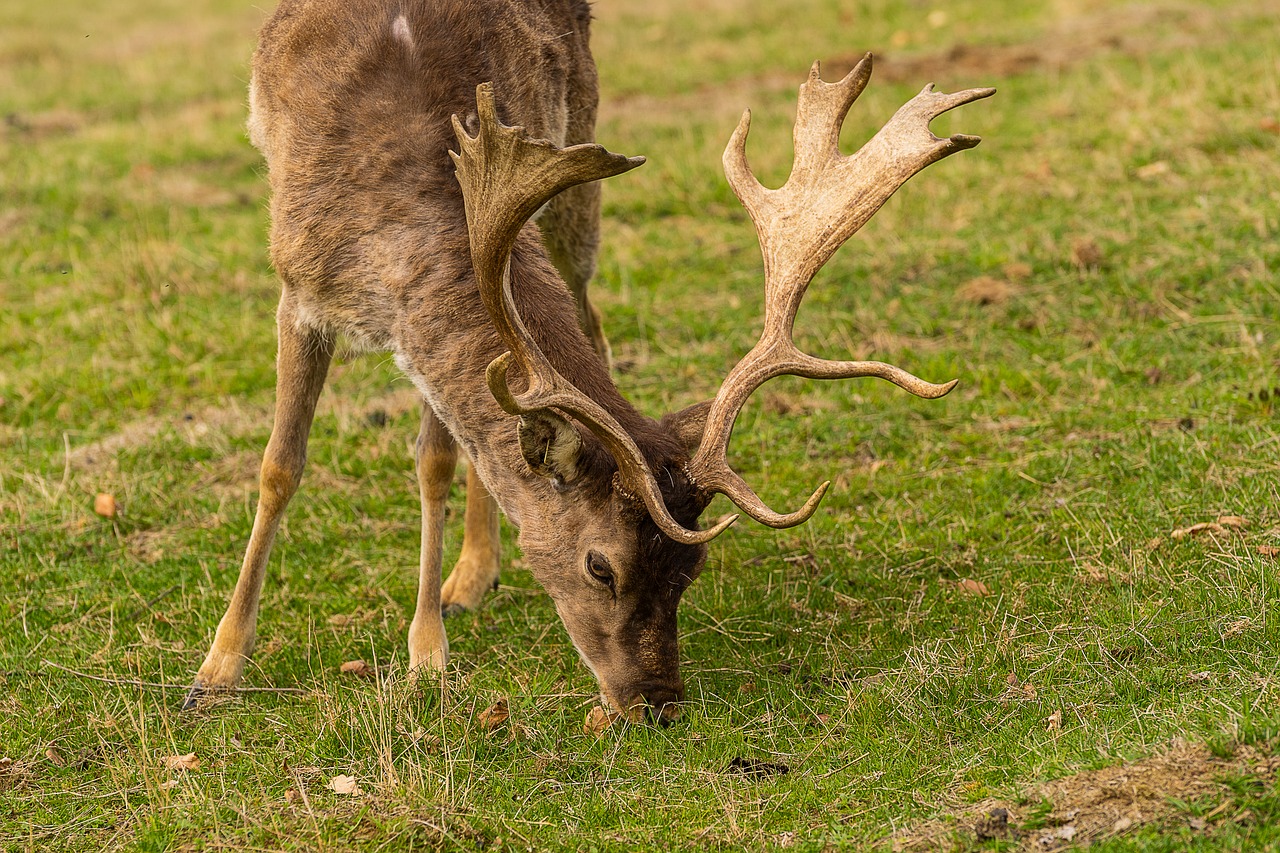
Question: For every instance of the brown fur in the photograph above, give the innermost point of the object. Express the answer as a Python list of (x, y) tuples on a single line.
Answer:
[(369, 237)]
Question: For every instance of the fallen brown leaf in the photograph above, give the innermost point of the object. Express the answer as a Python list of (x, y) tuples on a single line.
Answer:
[(1094, 573), (1237, 626), (344, 785), (1053, 722), (1153, 170), (181, 762), (292, 795), (55, 757), (359, 668), (1210, 527), (105, 505), (495, 716), (1269, 550), (1234, 521), (969, 586), (599, 720)]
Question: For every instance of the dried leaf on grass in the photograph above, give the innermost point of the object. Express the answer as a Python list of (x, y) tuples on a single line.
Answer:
[(105, 505), (358, 668), (599, 720), (1221, 527), (1269, 550), (1152, 171), (181, 762), (495, 716), (344, 785), (969, 586), (1053, 722)]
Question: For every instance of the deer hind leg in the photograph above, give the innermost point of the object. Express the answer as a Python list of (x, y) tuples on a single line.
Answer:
[(437, 456), (302, 363), (477, 569)]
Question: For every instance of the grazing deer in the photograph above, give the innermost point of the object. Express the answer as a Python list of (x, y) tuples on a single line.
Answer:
[(409, 144)]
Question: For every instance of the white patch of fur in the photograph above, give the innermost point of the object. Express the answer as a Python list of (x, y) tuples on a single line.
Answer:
[(400, 31), (254, 124), (564, 451)]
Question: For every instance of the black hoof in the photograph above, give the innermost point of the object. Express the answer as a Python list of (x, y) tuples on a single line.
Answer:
[(448, 610), (194, 695)]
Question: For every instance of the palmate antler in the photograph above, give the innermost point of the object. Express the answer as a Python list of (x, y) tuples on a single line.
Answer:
[(827, 198), (505, 178)]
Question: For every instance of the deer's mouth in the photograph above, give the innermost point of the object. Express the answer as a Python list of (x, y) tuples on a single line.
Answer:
[(649, 705)]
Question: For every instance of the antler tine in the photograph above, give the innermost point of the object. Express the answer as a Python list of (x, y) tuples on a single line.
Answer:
[(505, 178), (827, 198)]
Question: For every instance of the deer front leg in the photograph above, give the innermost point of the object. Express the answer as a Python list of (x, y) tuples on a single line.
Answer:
[(477, 569), (437, 456), (302, 363)]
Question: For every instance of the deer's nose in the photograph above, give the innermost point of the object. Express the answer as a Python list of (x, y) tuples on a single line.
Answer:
[(661, 703)]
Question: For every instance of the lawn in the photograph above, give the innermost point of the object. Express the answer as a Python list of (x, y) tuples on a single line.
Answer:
[(1037, 613)]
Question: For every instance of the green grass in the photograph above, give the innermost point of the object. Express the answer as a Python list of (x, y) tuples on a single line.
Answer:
[(1126, 203)]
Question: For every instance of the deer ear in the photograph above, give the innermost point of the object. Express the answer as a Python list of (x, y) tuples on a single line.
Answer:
[(550, 445), (688, 425)]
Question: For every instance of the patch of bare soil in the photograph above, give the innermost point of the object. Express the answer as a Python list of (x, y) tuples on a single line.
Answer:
[(193, 426), (232, 419), (1135, 31), (1093, 805)]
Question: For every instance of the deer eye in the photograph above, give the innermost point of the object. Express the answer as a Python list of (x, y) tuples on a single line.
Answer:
[(598, 567)]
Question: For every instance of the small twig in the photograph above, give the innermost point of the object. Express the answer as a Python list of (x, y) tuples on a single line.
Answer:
[(149, 604), (129, 682)]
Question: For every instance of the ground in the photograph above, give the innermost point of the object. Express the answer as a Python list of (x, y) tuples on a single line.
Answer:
[(1038, 613)]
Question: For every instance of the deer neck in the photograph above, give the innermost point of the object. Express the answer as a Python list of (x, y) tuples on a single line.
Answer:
[(449, 369)]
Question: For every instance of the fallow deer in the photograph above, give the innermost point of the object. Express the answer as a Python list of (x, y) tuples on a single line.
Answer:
[(409, 144)]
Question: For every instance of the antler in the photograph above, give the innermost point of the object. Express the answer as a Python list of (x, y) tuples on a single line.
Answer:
[(826, 199), (505, 178)]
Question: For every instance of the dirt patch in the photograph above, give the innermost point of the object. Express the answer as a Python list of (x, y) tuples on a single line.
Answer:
[(232, 476), (1094, 805), (1133, 31), (227, 419), (215, 423)]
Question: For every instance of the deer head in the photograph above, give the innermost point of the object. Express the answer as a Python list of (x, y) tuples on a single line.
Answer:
[(636, 493)]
